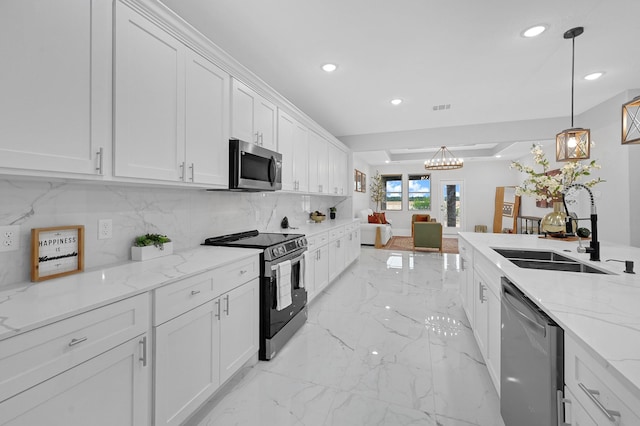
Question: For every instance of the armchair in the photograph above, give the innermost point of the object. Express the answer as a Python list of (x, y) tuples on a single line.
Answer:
[(428, 235), (420, 218)]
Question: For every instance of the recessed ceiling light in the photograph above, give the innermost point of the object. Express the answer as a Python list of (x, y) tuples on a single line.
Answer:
[(498, 156), (534, 31), (396, 101), (593, 76), (329, 67)]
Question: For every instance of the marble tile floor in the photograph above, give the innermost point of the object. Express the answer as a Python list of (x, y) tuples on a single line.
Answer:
[(386, 344)]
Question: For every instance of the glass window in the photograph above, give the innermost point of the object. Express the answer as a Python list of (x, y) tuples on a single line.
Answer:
[(419, 192), (393, 192)]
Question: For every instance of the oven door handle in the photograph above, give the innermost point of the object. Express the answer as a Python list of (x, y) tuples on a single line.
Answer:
[(294, 260)]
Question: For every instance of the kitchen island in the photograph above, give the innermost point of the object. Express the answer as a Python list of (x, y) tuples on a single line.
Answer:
[(599, 312)]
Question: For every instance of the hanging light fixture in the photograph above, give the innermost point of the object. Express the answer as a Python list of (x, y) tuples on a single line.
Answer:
[(443, 159), (631, 121), (575, 143)]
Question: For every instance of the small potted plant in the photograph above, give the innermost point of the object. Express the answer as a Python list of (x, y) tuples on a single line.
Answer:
[(150, 246), (332, 212)]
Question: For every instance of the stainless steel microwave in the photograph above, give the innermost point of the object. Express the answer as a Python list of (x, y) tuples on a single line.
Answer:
[(253, 168)]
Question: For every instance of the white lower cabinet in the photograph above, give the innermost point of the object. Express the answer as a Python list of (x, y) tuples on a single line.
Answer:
[(574, 412), (238, 328), (110, 389), (198, 350), (63, 373), (595, 396), (317, 259), (337, 252), (186, 363), (466, 280), (486, 316)]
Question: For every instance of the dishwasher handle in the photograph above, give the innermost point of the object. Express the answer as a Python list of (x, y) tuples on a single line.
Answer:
[(508, 294)]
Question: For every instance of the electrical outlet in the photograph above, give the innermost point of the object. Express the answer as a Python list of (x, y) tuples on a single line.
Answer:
[(105, 229), (9, 237)]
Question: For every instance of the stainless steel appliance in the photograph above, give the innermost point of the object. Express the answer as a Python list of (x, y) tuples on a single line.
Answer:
[(276, 326), (253, 168), (531, 362)]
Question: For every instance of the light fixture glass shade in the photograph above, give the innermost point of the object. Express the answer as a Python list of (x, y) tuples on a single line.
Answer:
[(573, 144), (443, 159), (631, 121)]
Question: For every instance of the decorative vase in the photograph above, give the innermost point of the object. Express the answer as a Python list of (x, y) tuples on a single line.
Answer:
[(332, 215), (151, 252), (554, 223)]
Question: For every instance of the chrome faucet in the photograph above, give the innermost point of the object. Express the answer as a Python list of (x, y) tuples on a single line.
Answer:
[(594, 245)]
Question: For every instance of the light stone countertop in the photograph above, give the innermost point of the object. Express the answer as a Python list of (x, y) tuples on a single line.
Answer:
[(600, 311), (26, 306)]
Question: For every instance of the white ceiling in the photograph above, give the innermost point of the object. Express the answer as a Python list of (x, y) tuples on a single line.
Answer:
[(466, 53)]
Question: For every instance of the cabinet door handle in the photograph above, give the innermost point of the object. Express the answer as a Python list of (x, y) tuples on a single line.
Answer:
[(75, 341), (217, 315), (182, 171), (243, 271), (143, 357), (481, 295), (100, 155), (226, 297), (591, 393), (193, 172), (194, 292)]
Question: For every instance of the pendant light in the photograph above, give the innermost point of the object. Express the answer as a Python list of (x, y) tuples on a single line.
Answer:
[(575, 143), (443, 159), (631, 121)]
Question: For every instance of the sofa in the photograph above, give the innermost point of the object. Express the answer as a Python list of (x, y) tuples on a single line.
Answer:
[(368, 230)]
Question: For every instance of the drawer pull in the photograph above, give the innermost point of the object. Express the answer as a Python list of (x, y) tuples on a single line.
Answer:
[(194, 292), (591, 393), (143, 358), (75, 341), (227, 299), (218, 305), (243, 271)]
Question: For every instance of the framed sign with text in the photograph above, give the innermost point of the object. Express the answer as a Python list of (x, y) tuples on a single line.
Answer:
[(56, 252)]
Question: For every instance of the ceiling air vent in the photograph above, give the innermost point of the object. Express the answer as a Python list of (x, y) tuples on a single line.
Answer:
[(441, 107)]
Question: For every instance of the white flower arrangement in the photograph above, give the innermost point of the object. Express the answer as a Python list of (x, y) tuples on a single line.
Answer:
[(549, 185)]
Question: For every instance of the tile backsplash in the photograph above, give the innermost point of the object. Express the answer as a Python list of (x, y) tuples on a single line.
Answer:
[(187, 216)]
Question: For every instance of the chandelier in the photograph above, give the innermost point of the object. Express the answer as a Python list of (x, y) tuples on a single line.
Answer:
[(575, 143), (443, 159)]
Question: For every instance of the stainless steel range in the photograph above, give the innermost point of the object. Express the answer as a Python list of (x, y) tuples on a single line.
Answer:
[(276, 325)]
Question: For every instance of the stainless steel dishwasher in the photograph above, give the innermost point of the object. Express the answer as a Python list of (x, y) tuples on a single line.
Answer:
[(531, 363)]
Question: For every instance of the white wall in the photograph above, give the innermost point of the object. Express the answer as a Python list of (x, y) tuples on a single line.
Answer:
[(186, 216), (480, 179), (362, 200)]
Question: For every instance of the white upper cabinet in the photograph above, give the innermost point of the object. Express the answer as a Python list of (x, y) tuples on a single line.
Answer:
[(171, 107), (149, 84), (253, 118), (292, 144), (207, 122), (55, 85), (337, 171), (318, 164)]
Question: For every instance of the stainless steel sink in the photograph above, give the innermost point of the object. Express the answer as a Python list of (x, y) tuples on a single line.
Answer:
[(533, 255), (547, 260), (557, 266)]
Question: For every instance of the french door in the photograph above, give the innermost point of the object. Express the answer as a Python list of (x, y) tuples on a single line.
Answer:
[(452, 206)]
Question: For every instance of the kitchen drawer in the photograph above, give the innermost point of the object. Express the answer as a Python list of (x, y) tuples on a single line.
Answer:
[(491, 273), (175, 299), (593, 385), (32, 357), (465, 249), (317, 240), (336, 233)]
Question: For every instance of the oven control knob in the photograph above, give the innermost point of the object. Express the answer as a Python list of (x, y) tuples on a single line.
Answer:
[(274, 251)]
